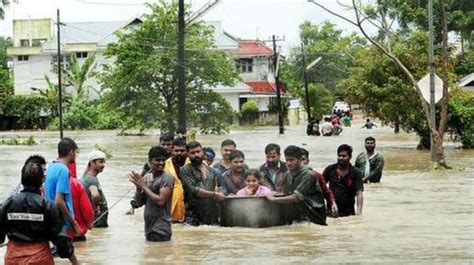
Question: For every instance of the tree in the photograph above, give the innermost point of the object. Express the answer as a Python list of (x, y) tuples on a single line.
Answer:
[(51, 94), (78, 73), (378, 15), (142, 81), (321, 100), (3, 4)]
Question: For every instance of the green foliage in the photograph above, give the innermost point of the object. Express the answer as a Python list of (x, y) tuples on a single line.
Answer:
[(320, 100), (78, 74), (28, 110), (249, 108), (18, 141), (142, 82), (6, 83), (465, 64), (461, 110), (210, 111)]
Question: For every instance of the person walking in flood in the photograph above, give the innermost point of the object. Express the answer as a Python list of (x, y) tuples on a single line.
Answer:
[(91, 183), (253, 187), (200, 184), (273, 170), (154, 190), (179, 157), (370, 162), (31, 221), (345, 182), (330, 200), (327, 128), (368, 124), (233, 179), (303, 195)]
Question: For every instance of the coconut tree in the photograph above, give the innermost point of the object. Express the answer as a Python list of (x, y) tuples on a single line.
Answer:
[(78, 74)]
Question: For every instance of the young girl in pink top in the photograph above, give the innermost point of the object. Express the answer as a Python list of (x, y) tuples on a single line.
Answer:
[(252, 179)]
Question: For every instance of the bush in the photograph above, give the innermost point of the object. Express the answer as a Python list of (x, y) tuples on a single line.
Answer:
[(461, 110), (27, 110), (249, 108)]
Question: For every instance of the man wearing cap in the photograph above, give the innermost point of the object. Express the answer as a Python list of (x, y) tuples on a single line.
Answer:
[(91, 183)]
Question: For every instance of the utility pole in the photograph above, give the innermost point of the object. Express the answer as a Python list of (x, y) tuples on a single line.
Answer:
[(181, 71), (305, 77), (277, 84), (60, 88), (432, 79)]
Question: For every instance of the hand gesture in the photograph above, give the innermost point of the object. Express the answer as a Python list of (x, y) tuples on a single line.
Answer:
[(136, 179)]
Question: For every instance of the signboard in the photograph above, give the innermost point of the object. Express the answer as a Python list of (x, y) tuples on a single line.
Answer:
[(424, 85)]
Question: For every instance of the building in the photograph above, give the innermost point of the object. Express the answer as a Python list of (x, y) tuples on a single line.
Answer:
[(467, 83), (34, 54)]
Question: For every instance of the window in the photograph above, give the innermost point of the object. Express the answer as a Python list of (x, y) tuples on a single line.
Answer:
[(64, 63), (23, 58), (246, 65), (24, 43), (81, 54), (37, 42)]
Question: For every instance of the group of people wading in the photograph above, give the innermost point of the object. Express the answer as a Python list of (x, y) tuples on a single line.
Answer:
[(179, 184)]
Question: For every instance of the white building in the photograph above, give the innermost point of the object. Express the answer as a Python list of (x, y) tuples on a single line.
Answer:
[(35, 47)]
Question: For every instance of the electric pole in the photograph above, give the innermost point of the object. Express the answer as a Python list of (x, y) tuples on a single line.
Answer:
[(277, 84), (181, 71), (60, 88)]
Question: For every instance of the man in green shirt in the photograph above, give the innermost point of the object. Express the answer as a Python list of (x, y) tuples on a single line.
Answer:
[(302, 191), (93, 188), (370, 162)]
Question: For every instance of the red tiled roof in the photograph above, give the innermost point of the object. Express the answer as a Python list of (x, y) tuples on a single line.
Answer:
[(265, 87), (253, 47)]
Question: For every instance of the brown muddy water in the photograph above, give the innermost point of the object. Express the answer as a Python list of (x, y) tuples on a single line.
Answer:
[(415, 215)]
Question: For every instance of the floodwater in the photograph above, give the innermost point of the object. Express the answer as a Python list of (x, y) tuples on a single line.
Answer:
[(415, 215)]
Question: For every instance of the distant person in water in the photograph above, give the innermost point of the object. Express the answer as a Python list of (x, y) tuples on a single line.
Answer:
[(368, 124), (253, 187), (370, 162)]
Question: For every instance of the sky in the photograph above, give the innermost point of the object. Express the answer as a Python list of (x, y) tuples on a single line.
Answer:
[(246, 19)]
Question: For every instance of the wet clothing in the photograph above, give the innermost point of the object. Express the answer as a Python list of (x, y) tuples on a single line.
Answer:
[(157, 217), (275, 180), (30, 221), (261, 191), (83, 212), (368, 125), (57, 181), (201, 210), (220, 169), (89, 181), (229, 186), (372, 169), (303, 184), (344, 188), (309, 128), (324, 187), (178, 209)]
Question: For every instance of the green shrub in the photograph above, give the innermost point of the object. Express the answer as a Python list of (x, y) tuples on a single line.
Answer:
[(28, 110), (249, 108), (461, 115)]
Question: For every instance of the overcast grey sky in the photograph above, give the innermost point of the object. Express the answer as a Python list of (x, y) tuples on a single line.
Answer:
[(246, 19)]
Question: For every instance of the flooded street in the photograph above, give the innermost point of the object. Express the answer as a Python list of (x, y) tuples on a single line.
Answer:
[(415, 215)]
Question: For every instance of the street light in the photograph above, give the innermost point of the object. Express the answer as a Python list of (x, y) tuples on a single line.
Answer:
[(305, 70)]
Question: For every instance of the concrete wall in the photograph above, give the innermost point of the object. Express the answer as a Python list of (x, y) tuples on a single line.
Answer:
[(31, 29), (262, 103), (261, 71), (233, 99), (31, 73)]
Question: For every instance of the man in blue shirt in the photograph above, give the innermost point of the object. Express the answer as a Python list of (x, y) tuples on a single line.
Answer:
[(57, 186)]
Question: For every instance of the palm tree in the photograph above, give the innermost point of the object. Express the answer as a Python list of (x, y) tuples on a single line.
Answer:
[(3, 4), (51, 93), (78, 74)]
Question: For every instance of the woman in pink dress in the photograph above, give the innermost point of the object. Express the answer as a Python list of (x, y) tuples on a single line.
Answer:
[(253, 189)]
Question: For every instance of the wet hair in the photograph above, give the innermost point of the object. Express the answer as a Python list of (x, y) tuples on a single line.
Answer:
[(253, 172), (179, 142), (236, 154), (167, 136), (370, 138), (209, 153), (293, 151), (157, 151), (345, 148), (65, 146), (327, 119), (304, 152), (35, 159), (32, 175), (228, 142), (193, 145), (272, 147), (367, 120)]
